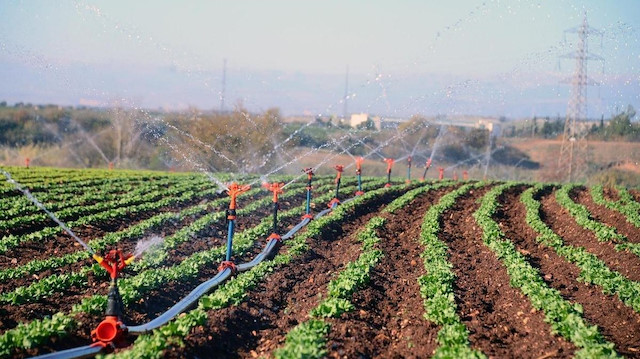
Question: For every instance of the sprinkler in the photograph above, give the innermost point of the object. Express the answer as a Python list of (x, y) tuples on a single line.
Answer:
[(441, 175), (408, 169), (465, 175), (110, 166), (359, 161), (335, 201), (426, 168), (26, 162), (309, 172), (233, 191), (455, 176), (389, 162), (110, 332), (276, 188)]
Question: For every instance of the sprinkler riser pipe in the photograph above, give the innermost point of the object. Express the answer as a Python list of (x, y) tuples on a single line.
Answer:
[(337, 187), (230, 239), (308, 208), (275, 217), (359, 182), (114, 300)]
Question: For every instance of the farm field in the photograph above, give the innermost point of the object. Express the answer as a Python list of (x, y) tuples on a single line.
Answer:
[(435, 268)]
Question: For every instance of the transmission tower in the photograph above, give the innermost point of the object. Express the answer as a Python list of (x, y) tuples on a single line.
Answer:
[(572, 161)]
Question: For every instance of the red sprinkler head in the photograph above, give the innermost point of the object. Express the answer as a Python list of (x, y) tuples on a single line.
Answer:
[(409, 160), (359, 162), (428, 163), (339, 168), (274, 187), (465, 175), (389, 162), (26, 162), (441, 176), (309, 172), (110, 166), (114, 261), (455, 176), (234, 190)]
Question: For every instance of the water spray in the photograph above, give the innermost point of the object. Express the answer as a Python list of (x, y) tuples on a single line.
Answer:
[(335, 201), (408, 169), (276, 188), (309, 172), (389, 162), (359, 162), (426, 168), (233, 190)]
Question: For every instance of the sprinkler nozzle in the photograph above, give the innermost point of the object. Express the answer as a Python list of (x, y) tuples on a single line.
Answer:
[(274, 187), (234, 190), (389, 162), (359, 162), (114, 261)]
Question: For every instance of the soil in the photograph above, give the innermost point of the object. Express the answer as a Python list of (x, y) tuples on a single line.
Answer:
[(501, 321), (618, 323)]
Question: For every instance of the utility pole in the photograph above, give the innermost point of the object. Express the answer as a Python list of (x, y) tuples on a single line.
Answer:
[(573, 152), (224, 84)]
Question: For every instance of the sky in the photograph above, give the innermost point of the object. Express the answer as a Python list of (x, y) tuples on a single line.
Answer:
[(492, 58)]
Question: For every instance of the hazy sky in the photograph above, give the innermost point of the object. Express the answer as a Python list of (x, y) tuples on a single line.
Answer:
[(404, 57)]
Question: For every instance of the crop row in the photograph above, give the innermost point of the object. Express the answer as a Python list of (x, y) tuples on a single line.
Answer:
[(144, 193), (307, 339), (603, 232), (564, 317), (592, 270), (628, 209)]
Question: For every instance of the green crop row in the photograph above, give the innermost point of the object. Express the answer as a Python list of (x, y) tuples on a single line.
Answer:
[(234, 291), (626, 208), (582, 216), (12, 241), (592, 270), (436, 287), (411, 195), (133, 288), (145, 193), (564, 317)]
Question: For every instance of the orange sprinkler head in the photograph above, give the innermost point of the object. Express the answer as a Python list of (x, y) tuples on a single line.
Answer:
[(359, 162), (409, 160), (274, 187), (339, 168), (389, 162), (465, 175), (309, 172), (110, 166), (233, 191), (441, 176), (455, 176), (26, 162), (428, 163)]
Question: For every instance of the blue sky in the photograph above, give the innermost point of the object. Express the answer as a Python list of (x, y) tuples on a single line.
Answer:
[(405, 57)]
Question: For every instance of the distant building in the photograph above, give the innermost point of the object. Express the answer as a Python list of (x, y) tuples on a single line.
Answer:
[(379, 123)]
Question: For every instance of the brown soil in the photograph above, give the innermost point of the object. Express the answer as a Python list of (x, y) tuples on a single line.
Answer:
[(259, 325), (388, 320), (617, 322), (611, 194), (635, 193), (563, 224), (501, 321), (609, 217)]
